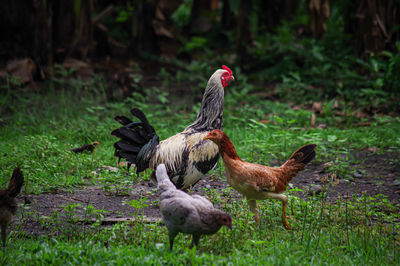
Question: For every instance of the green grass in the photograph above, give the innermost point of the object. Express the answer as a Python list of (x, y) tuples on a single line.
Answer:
[(37, 132), (321, 234)]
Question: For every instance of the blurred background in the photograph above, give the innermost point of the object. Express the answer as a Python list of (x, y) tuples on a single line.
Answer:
[(308, 51)]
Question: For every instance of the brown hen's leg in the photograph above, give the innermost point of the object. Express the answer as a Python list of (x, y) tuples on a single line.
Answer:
[(254, 209), (282, 198), (284, 217)]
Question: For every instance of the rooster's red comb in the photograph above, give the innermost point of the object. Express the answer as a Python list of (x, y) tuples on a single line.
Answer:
[(227, 69)]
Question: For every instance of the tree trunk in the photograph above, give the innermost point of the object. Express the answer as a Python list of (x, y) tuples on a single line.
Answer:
[(143, 36), (243, 40), (199, 17), (227, 20), (72, 28), (318, 15), (372, 24), (24, 31), (272, 12)]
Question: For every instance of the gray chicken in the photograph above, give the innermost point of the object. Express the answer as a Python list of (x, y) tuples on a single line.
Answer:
[(183, 213), (8, 204)]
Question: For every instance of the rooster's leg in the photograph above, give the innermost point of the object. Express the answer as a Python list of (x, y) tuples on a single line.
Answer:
[(254, 209), (282, 198)]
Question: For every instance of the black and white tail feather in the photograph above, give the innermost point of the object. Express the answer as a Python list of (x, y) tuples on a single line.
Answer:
[(137, 140)]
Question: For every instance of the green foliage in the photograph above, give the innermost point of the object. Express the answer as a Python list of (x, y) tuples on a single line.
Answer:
[(124, 14), (181, 16)]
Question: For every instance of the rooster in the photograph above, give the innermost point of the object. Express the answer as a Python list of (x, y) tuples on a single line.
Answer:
[(186, 155), (183, 213), (258, 182), (8, 204)]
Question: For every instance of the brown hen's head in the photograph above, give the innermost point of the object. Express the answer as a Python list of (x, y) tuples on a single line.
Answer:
[(225, 145), (215, 136)]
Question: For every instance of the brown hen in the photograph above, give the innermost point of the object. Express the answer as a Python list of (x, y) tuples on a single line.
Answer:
[(259, 182)]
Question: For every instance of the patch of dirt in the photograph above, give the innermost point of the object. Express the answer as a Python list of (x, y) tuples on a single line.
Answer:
[(376, 174)]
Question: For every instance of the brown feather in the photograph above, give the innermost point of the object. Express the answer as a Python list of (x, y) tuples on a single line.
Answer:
[(85, 147)]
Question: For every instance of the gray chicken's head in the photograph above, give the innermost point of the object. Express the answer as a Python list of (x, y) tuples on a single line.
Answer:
[(224, 219)]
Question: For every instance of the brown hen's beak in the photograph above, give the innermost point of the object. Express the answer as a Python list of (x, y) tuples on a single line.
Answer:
[(206, 137)]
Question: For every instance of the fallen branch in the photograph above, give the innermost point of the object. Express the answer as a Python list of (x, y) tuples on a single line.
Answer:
[(114, 220)]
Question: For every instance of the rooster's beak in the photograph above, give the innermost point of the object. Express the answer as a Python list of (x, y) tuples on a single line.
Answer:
[(230, 226), (232, 77)]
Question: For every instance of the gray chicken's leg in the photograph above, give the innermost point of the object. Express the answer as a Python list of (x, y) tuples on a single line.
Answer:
[(195, 241), (171, 240)]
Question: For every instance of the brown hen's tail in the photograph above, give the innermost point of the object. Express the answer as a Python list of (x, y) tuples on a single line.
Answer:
[(16, 182), (297, 161)]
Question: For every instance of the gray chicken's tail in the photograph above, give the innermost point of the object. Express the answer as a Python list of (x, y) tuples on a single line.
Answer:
[(164, 183), (138, 140)]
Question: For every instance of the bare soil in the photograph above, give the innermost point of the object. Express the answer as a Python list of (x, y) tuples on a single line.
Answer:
[(377, 174)]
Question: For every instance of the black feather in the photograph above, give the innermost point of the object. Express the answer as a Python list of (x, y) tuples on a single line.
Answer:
[(116, 133), (145, 154), (207, 165), (142, 132), (129, 156), (132, 135), (124, 146), (182, 171), (138, 140), (122, 119), (139, 114), (134, 124)]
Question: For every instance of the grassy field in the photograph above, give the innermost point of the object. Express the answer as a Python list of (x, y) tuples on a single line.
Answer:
[(38, 130)]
